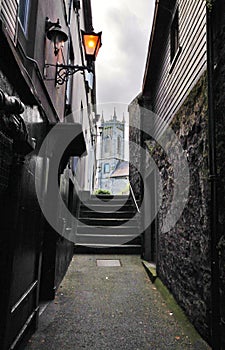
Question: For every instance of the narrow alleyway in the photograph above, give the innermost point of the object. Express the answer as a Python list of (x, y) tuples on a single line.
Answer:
[(109, 308)]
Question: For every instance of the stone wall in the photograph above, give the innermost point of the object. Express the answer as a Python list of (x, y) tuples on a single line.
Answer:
[(184, 252), (219, 88), (134, 152)]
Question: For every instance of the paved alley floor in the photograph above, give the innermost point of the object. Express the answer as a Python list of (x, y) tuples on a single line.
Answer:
[(109, 308)]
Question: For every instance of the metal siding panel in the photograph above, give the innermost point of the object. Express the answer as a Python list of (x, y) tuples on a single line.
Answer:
[(193, 53), (188, 43), (179, 101), (173, 87), (192, 12), (9, 11)]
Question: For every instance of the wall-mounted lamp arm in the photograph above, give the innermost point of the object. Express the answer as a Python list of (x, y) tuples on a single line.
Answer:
[(63, 71), (91, 43)]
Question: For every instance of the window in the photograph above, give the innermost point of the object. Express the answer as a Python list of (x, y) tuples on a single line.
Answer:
[(174, 36), (23, 13), (107, 144), (119, 145), (81, 113), (106, 168), (75, 164), (69, 87)]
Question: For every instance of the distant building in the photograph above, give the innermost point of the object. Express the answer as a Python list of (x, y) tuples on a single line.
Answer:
[(111, 157), (119, 178)]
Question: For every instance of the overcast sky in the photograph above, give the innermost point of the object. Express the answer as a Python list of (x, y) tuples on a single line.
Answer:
[(126, 27)]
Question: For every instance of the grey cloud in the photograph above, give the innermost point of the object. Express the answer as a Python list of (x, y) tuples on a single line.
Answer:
[(125, 40)]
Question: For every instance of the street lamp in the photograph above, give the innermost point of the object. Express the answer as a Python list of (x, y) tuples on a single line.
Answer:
[(91, 42), (55, 34)]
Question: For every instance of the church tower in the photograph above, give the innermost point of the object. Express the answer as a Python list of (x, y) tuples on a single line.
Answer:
[(112, 151)]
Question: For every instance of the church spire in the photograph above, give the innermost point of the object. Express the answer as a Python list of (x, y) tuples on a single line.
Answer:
[(102, 119), (114, 115), (123, 121)]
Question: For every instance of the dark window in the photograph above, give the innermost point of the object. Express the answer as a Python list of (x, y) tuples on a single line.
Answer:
[(23, 13), (75, 164), (81, 112), (174, 36), (69, 87), (107, 142), (106, 168), (119, 145)]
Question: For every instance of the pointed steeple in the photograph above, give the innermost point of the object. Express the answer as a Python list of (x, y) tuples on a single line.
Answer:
[(102, 118), (123, 121), (114, 115)]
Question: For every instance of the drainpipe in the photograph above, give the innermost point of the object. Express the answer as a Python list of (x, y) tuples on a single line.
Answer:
[(215, 294)]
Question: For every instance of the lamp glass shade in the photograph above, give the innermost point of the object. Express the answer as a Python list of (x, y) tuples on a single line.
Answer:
[(92, 44), (58, 37)]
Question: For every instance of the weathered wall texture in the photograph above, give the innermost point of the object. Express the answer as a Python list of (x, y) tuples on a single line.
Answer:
[(183, 252), (219, 84), (134, 151), (22, 226)]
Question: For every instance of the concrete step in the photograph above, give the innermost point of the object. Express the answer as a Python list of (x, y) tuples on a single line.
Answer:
[(108, 202), (108, 249), (108, 221), (103, 221), (105, 207), (108, 230), (85, 213), (107, 240)]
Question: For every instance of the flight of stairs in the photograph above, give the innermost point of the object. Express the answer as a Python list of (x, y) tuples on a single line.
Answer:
[(108, 224)]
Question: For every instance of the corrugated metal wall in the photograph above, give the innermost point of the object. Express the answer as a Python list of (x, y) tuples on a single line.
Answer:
[(9, 12), (175, 82)]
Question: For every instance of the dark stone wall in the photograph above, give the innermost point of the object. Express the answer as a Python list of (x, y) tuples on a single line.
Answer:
[(184, 252), (219, 100), (134, 152)]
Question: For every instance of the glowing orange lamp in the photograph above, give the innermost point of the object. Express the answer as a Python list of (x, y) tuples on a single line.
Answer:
[(92, 43)]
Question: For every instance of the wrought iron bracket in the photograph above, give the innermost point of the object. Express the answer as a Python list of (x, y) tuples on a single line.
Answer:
[(63, 71)]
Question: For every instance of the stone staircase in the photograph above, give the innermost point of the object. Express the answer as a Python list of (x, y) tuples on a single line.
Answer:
[(109, 224)]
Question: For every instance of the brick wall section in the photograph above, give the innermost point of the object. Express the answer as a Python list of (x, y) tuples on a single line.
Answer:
[(183, 252)]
